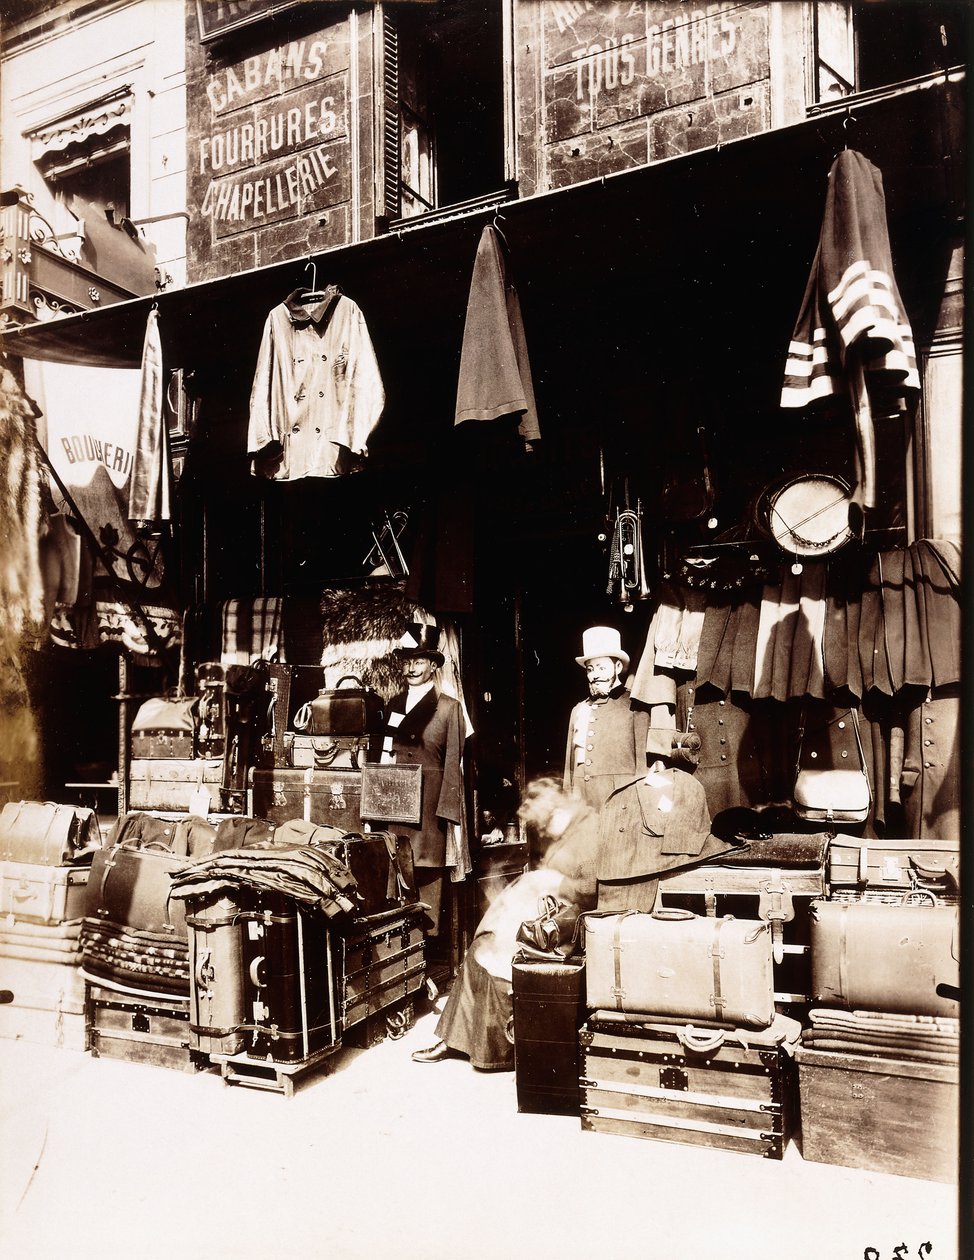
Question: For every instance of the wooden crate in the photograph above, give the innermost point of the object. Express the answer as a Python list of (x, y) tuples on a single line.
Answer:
[(881, 1114)]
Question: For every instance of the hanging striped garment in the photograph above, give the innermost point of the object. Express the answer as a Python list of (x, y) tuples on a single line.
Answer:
[(851, 299), (251, 628)]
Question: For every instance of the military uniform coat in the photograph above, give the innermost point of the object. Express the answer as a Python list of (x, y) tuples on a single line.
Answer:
[(606, 744)]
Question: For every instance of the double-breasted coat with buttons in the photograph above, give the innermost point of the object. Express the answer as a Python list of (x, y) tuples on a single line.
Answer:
[(317, 393), (431, 735), (606, 744)]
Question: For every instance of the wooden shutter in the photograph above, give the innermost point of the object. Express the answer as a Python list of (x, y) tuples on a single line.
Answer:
[(388, 140)]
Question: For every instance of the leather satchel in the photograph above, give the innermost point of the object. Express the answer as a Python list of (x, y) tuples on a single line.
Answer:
[(553, 930), (832, 795), (47, 834)]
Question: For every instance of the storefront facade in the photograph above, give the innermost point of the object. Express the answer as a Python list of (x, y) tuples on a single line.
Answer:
[(657, 177)]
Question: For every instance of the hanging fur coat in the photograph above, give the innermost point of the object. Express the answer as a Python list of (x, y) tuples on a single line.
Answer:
[(21, 585)]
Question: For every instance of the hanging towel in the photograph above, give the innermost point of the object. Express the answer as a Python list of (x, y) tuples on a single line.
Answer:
[(495, 375), (852, 335), (151, 482)]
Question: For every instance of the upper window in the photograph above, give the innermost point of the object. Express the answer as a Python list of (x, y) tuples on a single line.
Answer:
[(443, 105), (862, 45), (84, 159)]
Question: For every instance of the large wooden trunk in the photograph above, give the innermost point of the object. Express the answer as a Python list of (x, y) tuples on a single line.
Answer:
[(549, 1009), (216, 992), (141, 1029), (383, 964), (328, 797), (726, 1089), (172, 784), (882, 1114)]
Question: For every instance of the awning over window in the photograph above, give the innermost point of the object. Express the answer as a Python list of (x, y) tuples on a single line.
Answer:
[(86, 127)]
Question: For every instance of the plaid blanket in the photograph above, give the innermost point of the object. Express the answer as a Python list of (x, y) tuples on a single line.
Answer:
[(251, 628)]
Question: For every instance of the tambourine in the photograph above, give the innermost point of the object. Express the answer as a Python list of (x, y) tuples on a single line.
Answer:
[(809, 515)]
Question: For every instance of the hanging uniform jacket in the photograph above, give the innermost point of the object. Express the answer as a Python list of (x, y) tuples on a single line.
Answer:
[(317, 393)]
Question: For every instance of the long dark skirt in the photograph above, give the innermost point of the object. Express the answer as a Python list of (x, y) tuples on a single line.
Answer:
[(475, 1018)]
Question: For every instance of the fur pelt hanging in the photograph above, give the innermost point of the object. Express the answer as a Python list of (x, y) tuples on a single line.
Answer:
[(360, 627), (21, 585)]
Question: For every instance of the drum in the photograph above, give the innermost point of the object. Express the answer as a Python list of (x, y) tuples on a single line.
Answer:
[(808, 515)]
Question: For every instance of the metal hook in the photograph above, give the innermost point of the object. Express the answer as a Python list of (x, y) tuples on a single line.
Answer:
[(314, 273)]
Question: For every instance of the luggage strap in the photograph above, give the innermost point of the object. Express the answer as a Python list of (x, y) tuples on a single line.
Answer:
[(618, 992), (716, 953)]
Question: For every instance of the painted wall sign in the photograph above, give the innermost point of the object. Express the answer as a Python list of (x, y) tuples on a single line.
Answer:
[(625, 82), (271, 140)]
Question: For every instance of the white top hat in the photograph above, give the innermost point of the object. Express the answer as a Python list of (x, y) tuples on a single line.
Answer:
[(602, 641)]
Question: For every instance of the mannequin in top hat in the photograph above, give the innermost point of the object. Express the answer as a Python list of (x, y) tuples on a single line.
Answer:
[(606, 738), (425, 727)]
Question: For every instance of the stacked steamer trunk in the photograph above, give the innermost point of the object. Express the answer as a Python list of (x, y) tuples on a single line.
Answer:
[(682, 1041), (276, 984), (45, 862), (310, 768), (135, 947), (878, 1064), (174, 760)]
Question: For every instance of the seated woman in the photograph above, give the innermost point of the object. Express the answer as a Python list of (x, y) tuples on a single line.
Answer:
[(475, 1019)]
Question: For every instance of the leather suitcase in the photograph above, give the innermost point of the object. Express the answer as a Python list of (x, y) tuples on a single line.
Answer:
[(141, 1029), (383, 881), (875, 957), (173, 784), (676, 963), (383, 964), (549, 1009), (289, 980), (329, 797), (48, 834), (727, 1089), (216, 995), (774, 879), (36, 893), (131, 887), (894, 866), (882, 1114)]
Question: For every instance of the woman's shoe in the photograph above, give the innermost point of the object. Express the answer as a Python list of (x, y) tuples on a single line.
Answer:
[(432, 1054)]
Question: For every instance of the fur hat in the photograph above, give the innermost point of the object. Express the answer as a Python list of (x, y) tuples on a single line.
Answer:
[(420, 640), (602, 641)]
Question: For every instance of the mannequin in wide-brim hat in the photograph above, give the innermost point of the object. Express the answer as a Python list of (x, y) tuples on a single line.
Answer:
[(425, 727), (606, 738)]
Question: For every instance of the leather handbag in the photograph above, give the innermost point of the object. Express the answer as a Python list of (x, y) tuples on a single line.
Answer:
[(673, 962), (870, 956), (553, 930), (163, 714), (47, 834), (342, 710), (828, 794)]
